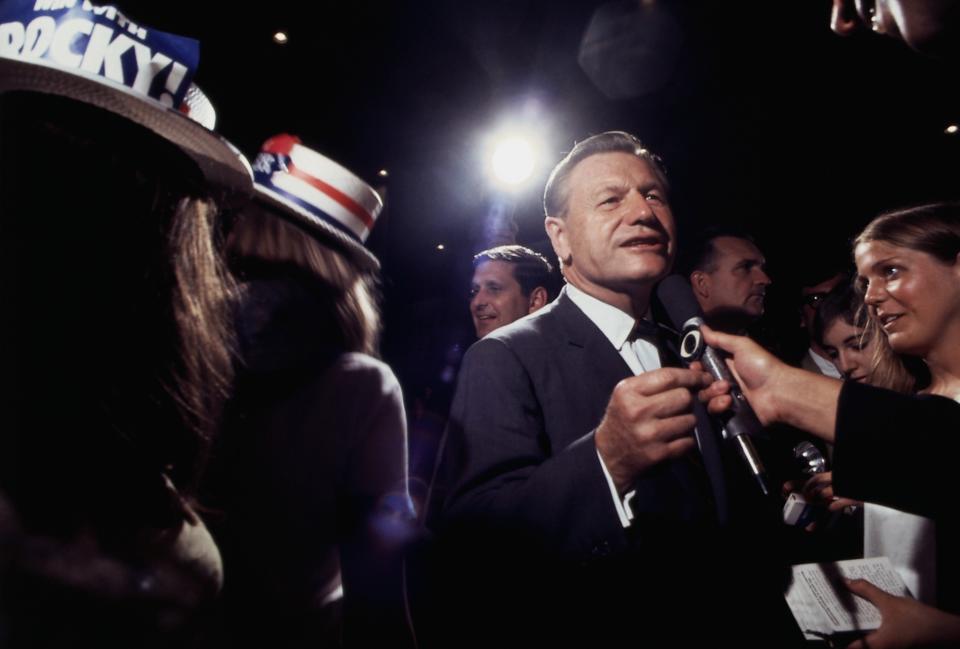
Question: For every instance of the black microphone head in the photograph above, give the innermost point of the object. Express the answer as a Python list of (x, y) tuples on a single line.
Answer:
[(677, 298)]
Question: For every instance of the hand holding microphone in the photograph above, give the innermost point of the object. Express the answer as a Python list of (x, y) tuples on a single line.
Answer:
[(777, 392), (754, 371), (738, 418)]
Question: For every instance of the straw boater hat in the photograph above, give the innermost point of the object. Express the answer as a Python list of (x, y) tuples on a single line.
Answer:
[(96, 55), (318, 194)]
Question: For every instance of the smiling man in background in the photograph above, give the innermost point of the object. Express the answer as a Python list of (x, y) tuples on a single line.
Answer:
[(508, 283)]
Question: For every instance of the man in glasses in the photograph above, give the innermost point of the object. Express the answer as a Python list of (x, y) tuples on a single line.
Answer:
[(816, 358)]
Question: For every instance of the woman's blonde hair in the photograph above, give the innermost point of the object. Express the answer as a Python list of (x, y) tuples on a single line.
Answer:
[(933, 229)]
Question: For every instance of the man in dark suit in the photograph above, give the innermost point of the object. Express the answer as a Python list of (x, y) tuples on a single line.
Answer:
[(571, 502)]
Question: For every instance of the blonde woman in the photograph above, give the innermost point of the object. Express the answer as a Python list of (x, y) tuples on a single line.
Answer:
[(897, 450)]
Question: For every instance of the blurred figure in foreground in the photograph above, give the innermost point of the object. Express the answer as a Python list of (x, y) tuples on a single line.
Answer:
[(115, 330), (312, 475)]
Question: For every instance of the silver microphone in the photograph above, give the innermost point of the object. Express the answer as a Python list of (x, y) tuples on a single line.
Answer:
[(811, 459), (797, 510)]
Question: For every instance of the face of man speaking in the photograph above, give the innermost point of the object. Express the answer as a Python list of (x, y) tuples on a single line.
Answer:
[(617, 238)]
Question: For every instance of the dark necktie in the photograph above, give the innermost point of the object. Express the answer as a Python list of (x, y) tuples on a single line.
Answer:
[(645, 329)]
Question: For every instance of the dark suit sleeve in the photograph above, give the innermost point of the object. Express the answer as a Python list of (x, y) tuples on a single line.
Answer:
[(897, 450), (507, 480)]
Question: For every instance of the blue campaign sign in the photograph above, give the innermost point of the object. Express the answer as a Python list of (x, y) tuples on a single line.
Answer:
[(99, 40)]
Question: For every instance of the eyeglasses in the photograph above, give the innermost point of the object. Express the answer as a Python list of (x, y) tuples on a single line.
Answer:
[(813, 299)]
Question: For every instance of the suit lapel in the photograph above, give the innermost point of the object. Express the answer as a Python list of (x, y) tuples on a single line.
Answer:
[(597, 365), (598, 368)]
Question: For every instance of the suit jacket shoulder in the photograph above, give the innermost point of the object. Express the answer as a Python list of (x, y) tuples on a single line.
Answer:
[(519, 453)]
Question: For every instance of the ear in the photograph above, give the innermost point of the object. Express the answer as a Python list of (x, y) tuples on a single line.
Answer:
[(557, 231), (538, 299), (700, 282)]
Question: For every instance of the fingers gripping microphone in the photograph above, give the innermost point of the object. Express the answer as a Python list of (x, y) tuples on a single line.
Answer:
[(682, 307)]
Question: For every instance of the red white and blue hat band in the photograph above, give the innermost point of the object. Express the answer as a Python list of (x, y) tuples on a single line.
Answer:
[(325, 190)]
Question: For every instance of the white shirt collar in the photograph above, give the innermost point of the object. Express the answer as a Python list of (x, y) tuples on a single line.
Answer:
[(615, 324), (826, 367)]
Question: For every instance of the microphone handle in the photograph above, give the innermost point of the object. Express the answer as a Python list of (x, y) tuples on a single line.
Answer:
[(742, 422), (754, 464)]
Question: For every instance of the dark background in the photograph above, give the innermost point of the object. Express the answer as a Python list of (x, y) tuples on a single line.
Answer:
[(763, 116)]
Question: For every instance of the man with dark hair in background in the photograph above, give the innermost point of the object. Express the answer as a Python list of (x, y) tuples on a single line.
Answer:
[(508, 283), (728, 274)]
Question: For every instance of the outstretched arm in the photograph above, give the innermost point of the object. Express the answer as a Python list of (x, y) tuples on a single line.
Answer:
[(777, 391)]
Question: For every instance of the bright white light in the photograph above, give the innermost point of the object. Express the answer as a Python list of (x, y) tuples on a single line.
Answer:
[(440, 246), (513, 160), (280, 38), (383, 173), (953, 128)]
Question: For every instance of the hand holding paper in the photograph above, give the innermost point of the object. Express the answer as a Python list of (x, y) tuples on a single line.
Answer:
[(905, 621)]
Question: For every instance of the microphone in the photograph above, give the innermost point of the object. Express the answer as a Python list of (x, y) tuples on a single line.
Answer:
[(684, 312), (810, 458), (797, 510)]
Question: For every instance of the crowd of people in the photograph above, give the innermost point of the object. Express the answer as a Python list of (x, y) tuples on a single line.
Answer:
[(202, 446)]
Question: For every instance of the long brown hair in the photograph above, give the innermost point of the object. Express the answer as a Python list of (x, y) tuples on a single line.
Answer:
[(933, 229), (202, 293), (117, 326)]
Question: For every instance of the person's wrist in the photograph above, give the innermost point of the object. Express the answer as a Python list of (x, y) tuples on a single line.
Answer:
[(611, 461), (779, 389)]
